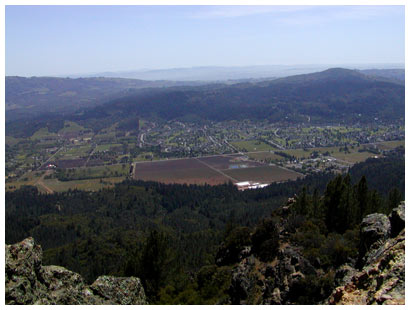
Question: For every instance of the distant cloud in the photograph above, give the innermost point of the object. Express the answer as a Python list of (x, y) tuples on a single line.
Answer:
[(241, 10), (322, 15), (298, 15)]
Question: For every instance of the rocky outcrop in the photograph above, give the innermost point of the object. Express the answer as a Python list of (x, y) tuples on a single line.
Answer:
[(28, 282), (270, 283), (376, 278), (380, 276), (374, 230)]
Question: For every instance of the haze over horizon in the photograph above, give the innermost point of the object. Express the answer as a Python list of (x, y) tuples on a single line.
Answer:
[(82, 40)]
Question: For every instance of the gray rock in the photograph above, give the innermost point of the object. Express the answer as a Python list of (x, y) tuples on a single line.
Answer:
[(121, 291), (374, 229), (28, 282), (240, 283), (63, 286), (23, 263), (380, 282), (344, 274)]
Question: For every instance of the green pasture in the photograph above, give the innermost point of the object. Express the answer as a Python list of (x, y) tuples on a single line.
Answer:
[(87, 185), (70, 127), (251, 145)]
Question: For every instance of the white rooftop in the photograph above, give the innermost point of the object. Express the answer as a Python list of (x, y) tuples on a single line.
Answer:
[(243, 183)]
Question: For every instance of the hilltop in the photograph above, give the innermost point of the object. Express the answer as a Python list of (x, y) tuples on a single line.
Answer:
[(331, 95)]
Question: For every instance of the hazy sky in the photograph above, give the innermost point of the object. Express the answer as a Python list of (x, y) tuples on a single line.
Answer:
[(57, 40)]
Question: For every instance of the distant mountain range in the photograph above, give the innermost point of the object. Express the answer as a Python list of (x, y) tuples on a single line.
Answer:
[(334, 95), (28, 97), (218, 73), (331, 95)]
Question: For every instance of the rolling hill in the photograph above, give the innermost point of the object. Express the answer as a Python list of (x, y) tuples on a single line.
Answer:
[(28, 97), (332, 95)]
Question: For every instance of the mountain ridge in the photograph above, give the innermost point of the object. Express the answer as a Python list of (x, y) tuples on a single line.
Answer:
[(332, 96), (327, 94)]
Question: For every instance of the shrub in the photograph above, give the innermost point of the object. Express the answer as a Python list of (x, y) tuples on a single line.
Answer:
[(265, 240), (233, 244)]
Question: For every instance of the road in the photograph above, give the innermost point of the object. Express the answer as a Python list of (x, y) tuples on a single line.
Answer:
[(275, 144), (51, 157), (232, 147), (142, 139), (89, 156), (40, 182)]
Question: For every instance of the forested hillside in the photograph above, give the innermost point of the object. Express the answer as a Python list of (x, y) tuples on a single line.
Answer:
[(170, 235), (28, 97), (332, 96)]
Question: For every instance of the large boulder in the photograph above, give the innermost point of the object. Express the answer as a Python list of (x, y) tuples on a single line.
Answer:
[(28, 282), (23, 264), (62, 286), (374, 227), (121, 291), (374, 230)]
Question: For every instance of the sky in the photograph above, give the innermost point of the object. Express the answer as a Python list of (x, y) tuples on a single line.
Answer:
[(59, 40)]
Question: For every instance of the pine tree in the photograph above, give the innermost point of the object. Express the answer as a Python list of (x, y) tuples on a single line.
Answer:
[(394, 199), (362, 196)]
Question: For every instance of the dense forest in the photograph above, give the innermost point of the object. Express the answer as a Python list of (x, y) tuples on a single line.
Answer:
[(330, 95), (170, 235)]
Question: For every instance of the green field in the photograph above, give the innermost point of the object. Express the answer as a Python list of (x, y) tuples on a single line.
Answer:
[(120, 170), (42, 133), (29, 178), (106, 147), (11, 140), (70, 127), (264, 156), (33, 178), (251, 145), (353, 157), (388, 145), (76, 152), (88, 185), (298, 153)]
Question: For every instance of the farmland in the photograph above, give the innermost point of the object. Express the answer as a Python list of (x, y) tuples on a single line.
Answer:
[(232, 161), (88, 184), (93, 172), (191, 153), (211, 170), (189, 171), (263, 174)]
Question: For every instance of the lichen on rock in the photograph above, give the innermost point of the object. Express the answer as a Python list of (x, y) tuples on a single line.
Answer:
[(28, 282), (380, 278)]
